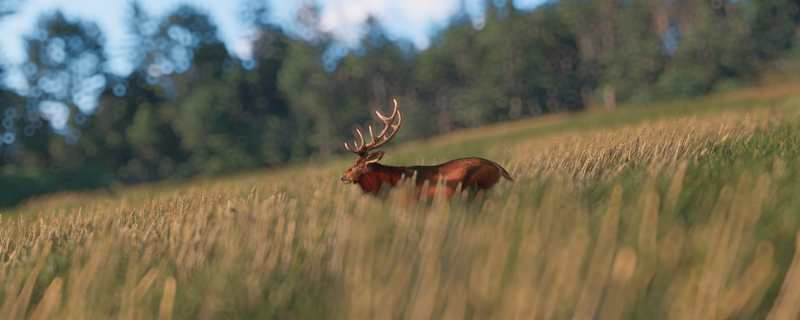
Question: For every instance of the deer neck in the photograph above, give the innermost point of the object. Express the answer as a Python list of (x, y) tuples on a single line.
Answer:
[(378, 174)]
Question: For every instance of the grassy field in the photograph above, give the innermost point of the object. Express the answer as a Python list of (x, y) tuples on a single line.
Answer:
[(682, 210)]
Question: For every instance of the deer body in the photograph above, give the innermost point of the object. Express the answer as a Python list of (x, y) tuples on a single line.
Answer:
[(371, 176), (469, 172)]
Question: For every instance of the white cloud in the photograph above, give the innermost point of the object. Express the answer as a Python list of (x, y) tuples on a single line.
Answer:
[(412, 20), (243, 48), (56, 112)]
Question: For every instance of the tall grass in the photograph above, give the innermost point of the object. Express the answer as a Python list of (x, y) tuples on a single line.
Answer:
[(683, 218)]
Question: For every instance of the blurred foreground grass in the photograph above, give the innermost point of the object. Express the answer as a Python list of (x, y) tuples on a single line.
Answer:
[(684, 210)]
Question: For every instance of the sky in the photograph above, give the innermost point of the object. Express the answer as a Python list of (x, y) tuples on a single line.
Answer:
[(415, 21)]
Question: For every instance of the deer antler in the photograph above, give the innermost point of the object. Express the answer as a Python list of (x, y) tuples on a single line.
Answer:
[(381, 139)]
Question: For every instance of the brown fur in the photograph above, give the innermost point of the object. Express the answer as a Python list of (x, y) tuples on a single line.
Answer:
[(469, 172)]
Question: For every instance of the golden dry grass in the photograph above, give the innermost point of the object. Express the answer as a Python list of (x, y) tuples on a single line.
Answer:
[(683, 218)]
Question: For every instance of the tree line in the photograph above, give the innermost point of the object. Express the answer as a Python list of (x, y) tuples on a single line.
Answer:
[(191, 108)]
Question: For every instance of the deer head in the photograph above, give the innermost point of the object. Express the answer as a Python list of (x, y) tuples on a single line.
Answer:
[(361, 165)]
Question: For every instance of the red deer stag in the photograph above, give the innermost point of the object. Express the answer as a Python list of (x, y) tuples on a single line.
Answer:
[(371, 175)]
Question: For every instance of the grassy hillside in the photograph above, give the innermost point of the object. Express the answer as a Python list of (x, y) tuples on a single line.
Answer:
[(686, 209)]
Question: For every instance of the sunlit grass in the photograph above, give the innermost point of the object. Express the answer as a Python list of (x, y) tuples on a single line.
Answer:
[(686, 210)]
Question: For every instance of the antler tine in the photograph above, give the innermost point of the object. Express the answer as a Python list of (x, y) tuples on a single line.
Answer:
[(359, 149), (348, 147), (370, 134), (363, 144), (388, 121)]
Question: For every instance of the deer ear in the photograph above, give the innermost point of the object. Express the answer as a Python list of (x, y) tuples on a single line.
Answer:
[(374, 157)]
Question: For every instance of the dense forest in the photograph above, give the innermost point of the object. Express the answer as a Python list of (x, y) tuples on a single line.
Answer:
[(191, 108)]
